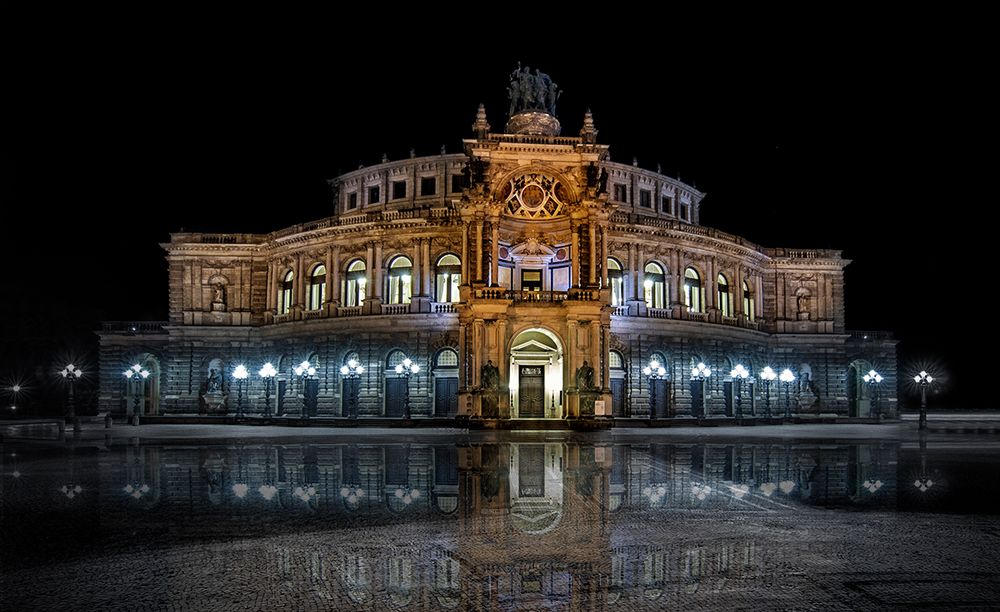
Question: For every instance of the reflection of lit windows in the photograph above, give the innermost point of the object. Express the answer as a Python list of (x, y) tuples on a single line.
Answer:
[(616, 281), (400, 580), (400, 280), (654, 286), (749, 304), (354, 281), (449, 277), (693, 292), (285, 293), (317, 288), (725, 304)]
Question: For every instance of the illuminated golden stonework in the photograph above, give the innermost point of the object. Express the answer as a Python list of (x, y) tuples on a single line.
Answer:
[(533, 196), (535, 123)]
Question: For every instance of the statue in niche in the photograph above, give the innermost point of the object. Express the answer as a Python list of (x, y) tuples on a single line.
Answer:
[(489, 380), (585, 377), (219, 297), (802, 303), (214, 382)]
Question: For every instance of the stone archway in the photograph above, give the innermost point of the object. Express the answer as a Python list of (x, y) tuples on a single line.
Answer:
[(536, 375)]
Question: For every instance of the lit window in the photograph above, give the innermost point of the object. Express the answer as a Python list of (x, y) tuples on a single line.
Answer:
[(400, 280), (285, 293), (354, 281), (428, 186), (725, 303), (447, 358), (654, 286), (749, 304), (615, 361), (449, 277), (317, 288), (693, 292), (616, 281)]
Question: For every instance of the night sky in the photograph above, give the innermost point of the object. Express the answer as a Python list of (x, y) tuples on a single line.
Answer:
[(862, 145)]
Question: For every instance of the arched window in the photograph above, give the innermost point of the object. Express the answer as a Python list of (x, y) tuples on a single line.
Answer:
[(725, 303), (354, 284), (659, 358), (317, 288), (400, 280), (693, 292), (285, 293), (449, 277), (654, 286), (395, 358), (615, 361), (447, 358), (749, 304), (616, 282)]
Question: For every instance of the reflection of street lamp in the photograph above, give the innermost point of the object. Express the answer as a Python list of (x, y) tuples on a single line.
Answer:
[(405, 369), (71, 374), (787, 378), (138, 375), (654, 371), (352, 495), (305, 371), (240, 373), (70, 490), (351, 373), (924, 380), (873, 379), (701, 372), (739, 374), (407, 496), (767, 375), (267, 372)]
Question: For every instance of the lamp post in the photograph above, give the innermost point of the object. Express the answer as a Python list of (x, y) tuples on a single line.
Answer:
[(15, 391), (873, 379), (351, 372), (305, 371), (405, 369), (138, 375), (739, 374), (267, 372), (71, 374), (787, 378), (654, 371), (240, 373), (767, 375), (924, 380), (701, 372)]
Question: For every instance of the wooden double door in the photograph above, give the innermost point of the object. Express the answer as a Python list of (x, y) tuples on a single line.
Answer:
[(531, 392)]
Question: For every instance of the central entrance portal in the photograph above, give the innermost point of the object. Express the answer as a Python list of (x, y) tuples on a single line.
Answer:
[(536, 375), (532, 392)]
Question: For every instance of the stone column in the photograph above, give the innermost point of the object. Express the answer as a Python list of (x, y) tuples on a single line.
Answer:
[(629, 273), (606, 366), (328, 298), (369, 276), (479, 251), (503, 364), (428, 266), (711, 286), (271, 274), (575, 247), (604, 256), (300, 286), (334, 280), (738, 294), (378, 271), (592, 276), (465, 254), (495, 252)]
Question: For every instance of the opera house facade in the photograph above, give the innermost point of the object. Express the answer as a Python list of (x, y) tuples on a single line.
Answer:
[(528, 277)]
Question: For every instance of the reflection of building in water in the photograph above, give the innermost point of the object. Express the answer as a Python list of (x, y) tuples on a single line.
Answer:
[(482, 526)]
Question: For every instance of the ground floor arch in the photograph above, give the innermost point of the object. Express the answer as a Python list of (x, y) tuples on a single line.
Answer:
[(536, 374)]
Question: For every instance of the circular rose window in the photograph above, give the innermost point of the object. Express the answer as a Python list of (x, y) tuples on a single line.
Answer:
[(533, 196)]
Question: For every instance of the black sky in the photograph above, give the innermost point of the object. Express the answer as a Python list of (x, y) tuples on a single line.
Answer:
[(863, 141)]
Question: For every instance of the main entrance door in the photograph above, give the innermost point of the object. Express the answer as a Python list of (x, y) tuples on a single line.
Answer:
[(531, 392)]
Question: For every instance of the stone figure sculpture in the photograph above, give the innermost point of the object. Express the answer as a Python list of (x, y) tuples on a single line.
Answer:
[(532, 91), (585, 377), (218, 296), (489, 380), (214, 380)]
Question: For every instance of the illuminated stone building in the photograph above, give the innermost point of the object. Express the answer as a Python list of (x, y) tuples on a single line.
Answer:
[(529, 277)]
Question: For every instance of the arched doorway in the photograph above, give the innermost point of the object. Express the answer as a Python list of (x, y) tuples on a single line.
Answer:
[(858, 397), (536, 375)]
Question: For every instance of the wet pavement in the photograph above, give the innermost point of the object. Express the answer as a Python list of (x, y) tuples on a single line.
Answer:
[(246, 518)]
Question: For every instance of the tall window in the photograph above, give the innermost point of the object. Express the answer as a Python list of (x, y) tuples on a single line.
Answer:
[(615, 361), (400, 280), (398, 190), (352, 200), (645, 198), (620, 192), (667, 205), (654, 286), (285, 293), (616, 281), (693, 292), (725, 301), (317, 288), (749, 304), (354, 284), (685, 212), (449, 277), (428, 186), (373, 195)]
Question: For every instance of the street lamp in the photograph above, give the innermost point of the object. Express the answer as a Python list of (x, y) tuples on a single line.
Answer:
[(15, 390), (267, 372), (924, 380), (138, 375), (654, 371), (305, 371), (739, 374), (767, 375), (405, 369), (787, 378), (351, 372), (873, 379), (240, 373), (71, 374), (701, 372)]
